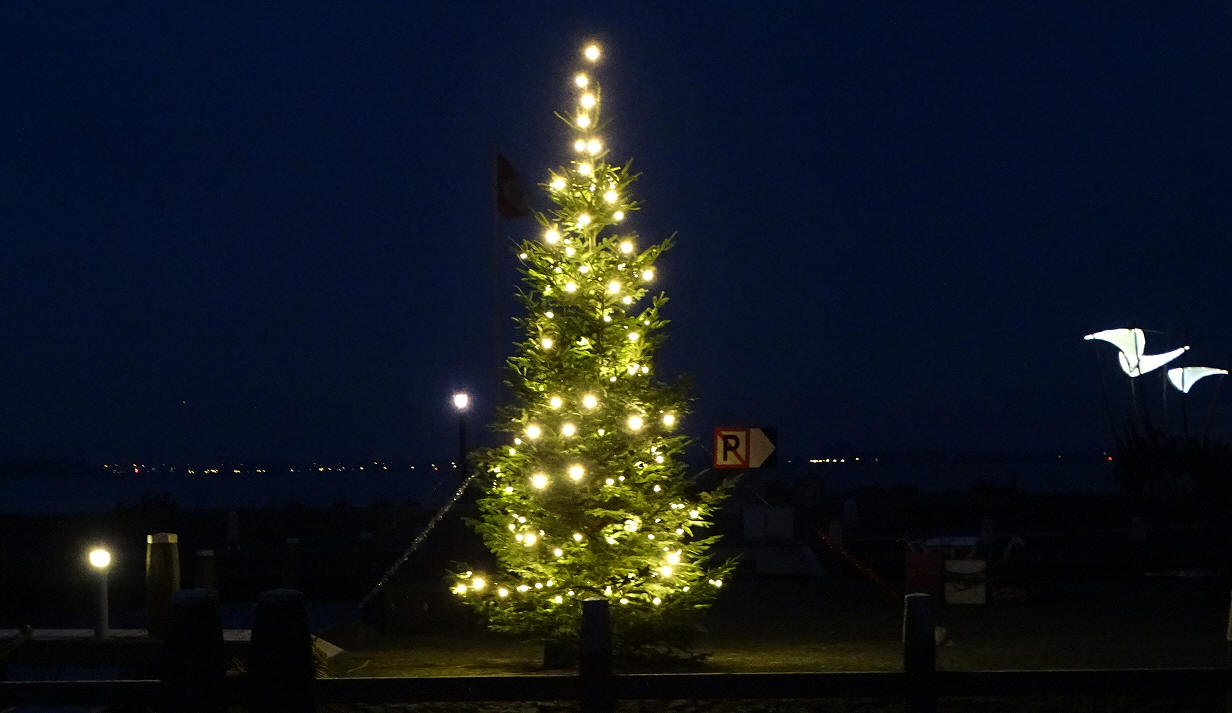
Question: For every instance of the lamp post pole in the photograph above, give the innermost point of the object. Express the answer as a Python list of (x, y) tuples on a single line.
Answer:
[(100, 559), (461, 401)]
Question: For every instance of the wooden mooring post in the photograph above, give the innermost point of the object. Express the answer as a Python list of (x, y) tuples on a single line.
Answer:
[(193, 663), (280, 668), (595, 661), (920, 651)]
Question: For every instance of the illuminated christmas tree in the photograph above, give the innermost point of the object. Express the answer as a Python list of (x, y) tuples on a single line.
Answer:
[(590, 497)]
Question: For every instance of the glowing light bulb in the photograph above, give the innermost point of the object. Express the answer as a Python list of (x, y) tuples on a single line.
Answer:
[(567, 430), (557, 184), (555, 402), (531, 538), (478, 583), (627, 299), (591, 52), (571, 286), (576, 472), (659, 458), (635, 422), (587, 100), (665, 571), (508, 489), (609, 481), (581, 80), (611, 196), (631, 525), (546, 342), (584, 169), (618, 216), (460, 589), (522, 256), (558, 552), (558, 599), (590, 401), (539, 480), (533, 431), (656, 488), (583, 220), (669, 419), (673, 557), (584, 269), (551, 236), (634, 336), (502, 592), (656, 601), (582, 121), (577, 537), (579, 145), (647, 275), (593, 147), (607, 318), (693, 514), (523, 588), (570, 251), (613, 287), (632, 368), (626, 247)]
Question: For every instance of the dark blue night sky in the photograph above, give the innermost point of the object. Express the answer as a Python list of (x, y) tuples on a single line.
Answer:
[(264, 231)]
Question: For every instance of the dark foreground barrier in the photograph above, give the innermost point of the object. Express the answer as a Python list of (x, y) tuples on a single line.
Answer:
[(277, 682)]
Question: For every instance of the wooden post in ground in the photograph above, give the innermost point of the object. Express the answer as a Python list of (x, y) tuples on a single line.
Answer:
[(193, 663), (595, 662), (1228, 655), (207, 570), (280, 668), (162, 580), (920, 651)]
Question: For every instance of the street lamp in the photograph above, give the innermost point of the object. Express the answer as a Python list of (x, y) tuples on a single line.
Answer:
[(100, 560), (461, 401)]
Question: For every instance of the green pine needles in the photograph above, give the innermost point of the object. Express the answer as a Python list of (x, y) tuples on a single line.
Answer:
[(590, 496)]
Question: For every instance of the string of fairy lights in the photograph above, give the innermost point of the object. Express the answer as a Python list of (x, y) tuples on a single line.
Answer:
[(603, 280)]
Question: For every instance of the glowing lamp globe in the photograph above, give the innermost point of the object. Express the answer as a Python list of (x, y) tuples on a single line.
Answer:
[(100, 558), (461, 401)]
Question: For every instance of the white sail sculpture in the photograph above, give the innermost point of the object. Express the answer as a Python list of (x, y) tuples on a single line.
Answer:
[(1184, 377), (1132, 345)]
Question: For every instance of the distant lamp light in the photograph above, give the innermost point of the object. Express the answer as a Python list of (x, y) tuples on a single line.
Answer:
[(591, 52), (582, 120), (557, 184), (580, 81), (626, 247), (635, 423), (588, 100), (590, 401), (461, 400)]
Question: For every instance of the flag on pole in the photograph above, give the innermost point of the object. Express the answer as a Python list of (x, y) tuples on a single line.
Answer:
[(510, 196)]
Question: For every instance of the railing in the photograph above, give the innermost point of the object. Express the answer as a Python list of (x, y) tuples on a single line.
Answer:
[(280, 673)]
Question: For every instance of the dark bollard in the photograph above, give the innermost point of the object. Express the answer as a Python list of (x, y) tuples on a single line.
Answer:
[(291, 564), (920, 650), (193, 662), (595, 664), (207, 571), (280, 668), (162, 580)]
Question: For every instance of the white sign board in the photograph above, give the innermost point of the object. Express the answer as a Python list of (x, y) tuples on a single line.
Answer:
[(739, 448)]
